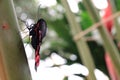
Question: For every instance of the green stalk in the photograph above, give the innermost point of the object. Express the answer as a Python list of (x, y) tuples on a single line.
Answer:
[(117, 26), (82, 46), (107, 40), (12, 54)]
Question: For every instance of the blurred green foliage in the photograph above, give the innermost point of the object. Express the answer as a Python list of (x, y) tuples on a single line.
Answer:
[(117, 4)]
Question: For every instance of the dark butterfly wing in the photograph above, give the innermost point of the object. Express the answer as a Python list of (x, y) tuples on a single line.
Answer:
[(42, 26)]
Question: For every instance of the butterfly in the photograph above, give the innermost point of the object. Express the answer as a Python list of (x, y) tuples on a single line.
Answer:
[(37, 32)]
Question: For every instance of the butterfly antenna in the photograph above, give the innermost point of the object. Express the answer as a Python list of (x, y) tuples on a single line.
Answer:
[(38, 12)]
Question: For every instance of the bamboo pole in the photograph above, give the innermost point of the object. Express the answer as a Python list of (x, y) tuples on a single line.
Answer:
[(82, 46), (13, 61), (117, 26), (108, 42), (2, 70)]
